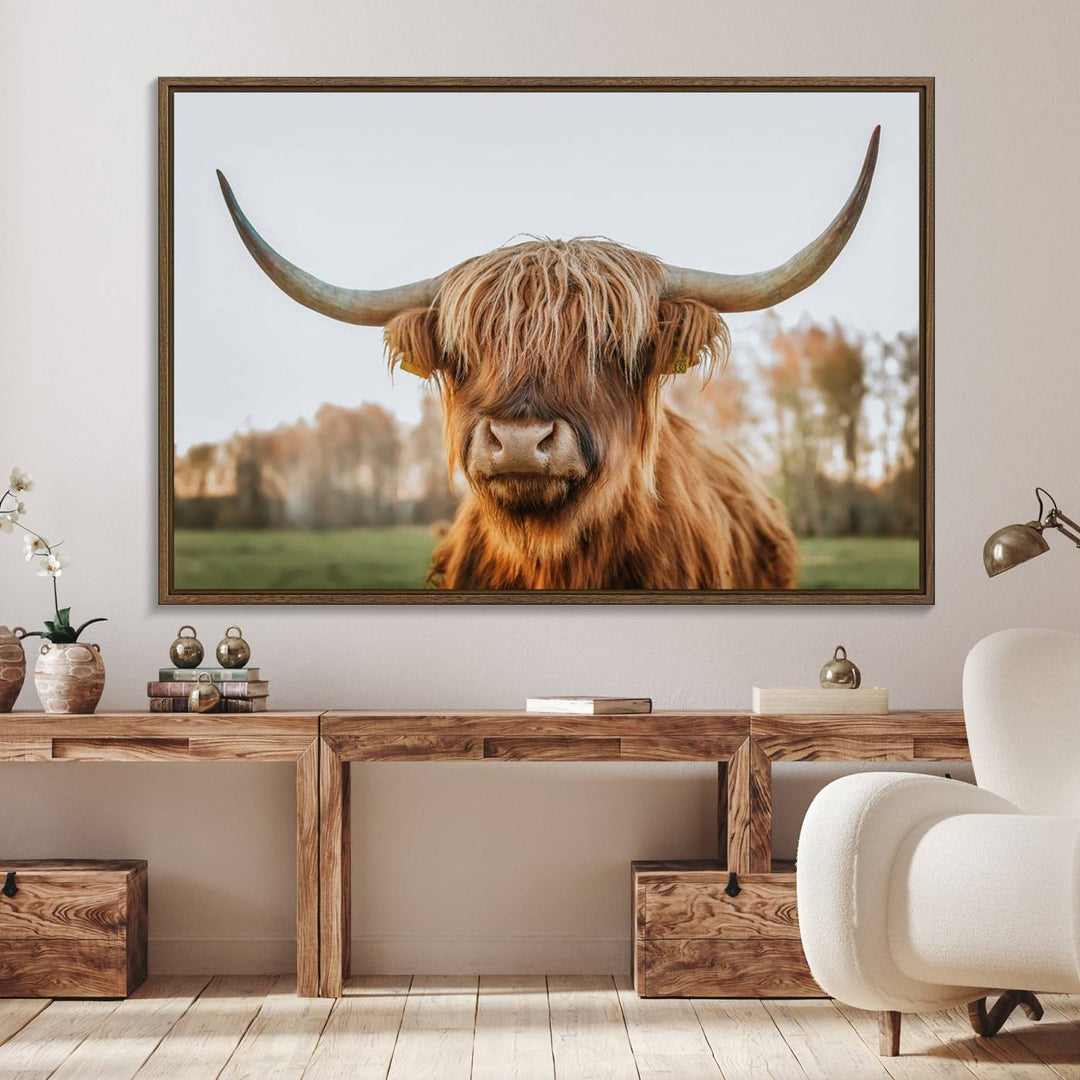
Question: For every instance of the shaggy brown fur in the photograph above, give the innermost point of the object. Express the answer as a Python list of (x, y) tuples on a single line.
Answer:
[(577, 331)]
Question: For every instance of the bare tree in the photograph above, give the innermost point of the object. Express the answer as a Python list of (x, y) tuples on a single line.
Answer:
[(837, 370)]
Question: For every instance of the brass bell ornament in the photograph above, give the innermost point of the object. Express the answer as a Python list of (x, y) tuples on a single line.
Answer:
[(233, 652), (840, 673), (186, 651), (204, 696)]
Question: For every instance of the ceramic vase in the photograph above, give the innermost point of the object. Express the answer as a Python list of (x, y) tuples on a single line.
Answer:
[(12, 666), (69, 678)]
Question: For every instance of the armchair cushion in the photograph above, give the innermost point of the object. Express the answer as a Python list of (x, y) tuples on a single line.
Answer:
[(987, 899), (852, 835)]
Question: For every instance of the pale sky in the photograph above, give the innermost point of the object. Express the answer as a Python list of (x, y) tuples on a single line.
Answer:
[(370, 190)]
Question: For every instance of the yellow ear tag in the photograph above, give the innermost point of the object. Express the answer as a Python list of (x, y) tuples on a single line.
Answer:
[(413, 369), (679, 366)]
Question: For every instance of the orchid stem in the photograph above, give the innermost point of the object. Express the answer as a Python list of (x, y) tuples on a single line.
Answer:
[(48, 548)]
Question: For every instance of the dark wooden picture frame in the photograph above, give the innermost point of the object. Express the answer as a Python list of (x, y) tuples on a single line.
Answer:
[(169, 87)]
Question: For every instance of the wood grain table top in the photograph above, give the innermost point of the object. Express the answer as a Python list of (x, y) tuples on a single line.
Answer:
[(146, 736), (665, 735), (488, 734)]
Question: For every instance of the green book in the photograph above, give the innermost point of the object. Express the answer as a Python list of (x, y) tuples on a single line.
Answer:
[(217, 674)]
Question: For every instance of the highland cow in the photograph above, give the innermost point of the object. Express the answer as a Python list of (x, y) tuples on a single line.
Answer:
[(550, 358)]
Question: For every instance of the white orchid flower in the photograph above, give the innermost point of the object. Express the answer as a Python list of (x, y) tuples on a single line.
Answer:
[(7, 521), (54, 565), (34, 545), (20, 481)]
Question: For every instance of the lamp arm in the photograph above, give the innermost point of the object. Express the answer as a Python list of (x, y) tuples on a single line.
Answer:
[(1055, 519)]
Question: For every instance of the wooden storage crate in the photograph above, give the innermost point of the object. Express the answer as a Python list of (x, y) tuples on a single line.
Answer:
[(692, 939), (72, 928)]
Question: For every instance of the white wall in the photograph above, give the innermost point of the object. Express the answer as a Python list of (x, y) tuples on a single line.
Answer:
[(495, 867)]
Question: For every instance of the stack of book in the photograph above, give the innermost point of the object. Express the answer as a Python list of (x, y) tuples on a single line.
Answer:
[(241, 689)]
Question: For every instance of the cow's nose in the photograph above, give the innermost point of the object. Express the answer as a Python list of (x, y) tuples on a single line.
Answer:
[(521, 446)]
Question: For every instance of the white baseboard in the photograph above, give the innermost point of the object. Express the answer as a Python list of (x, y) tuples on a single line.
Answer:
[(430, 954)]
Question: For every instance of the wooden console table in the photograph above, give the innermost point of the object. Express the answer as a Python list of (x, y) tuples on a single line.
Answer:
[(743, 745), (322, 745), (269, 736)]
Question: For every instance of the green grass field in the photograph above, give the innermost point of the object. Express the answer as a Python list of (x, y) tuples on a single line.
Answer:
[(398, 558), (295, 559), (859, 562)]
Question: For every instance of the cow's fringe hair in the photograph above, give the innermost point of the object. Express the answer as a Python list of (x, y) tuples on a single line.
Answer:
[(543, 305)]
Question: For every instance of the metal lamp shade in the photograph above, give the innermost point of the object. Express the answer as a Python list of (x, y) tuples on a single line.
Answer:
[(1012, 545)]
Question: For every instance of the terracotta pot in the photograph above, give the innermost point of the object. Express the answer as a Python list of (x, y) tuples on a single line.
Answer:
[(69, 678), (12, 666)]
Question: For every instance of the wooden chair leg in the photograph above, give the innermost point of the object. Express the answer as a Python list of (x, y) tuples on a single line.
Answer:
[(889, 1033), (977, 1015), (988, 1024)]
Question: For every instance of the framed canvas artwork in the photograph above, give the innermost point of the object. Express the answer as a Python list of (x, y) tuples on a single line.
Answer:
[(543, 340)]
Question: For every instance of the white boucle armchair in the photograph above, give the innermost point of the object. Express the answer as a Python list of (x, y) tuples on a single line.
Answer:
[(918, 893)]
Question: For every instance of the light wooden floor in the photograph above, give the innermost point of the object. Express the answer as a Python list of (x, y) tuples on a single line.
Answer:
[(516, 1028)]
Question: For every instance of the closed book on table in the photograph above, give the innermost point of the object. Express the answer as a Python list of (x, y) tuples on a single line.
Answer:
[(72, 928), (248, 705), (225, 689), (819, 701), (588, 706), (225, 705), (218, 674)]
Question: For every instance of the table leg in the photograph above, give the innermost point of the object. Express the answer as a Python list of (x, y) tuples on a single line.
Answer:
[(749, 810), (722, 813), (307, 872), (334, 872), (346, 871)]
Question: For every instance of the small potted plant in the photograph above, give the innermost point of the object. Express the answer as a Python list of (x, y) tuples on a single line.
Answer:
[(69, 674)]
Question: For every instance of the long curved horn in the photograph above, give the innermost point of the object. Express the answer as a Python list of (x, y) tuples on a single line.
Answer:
[(365, 307), (752, 292)]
